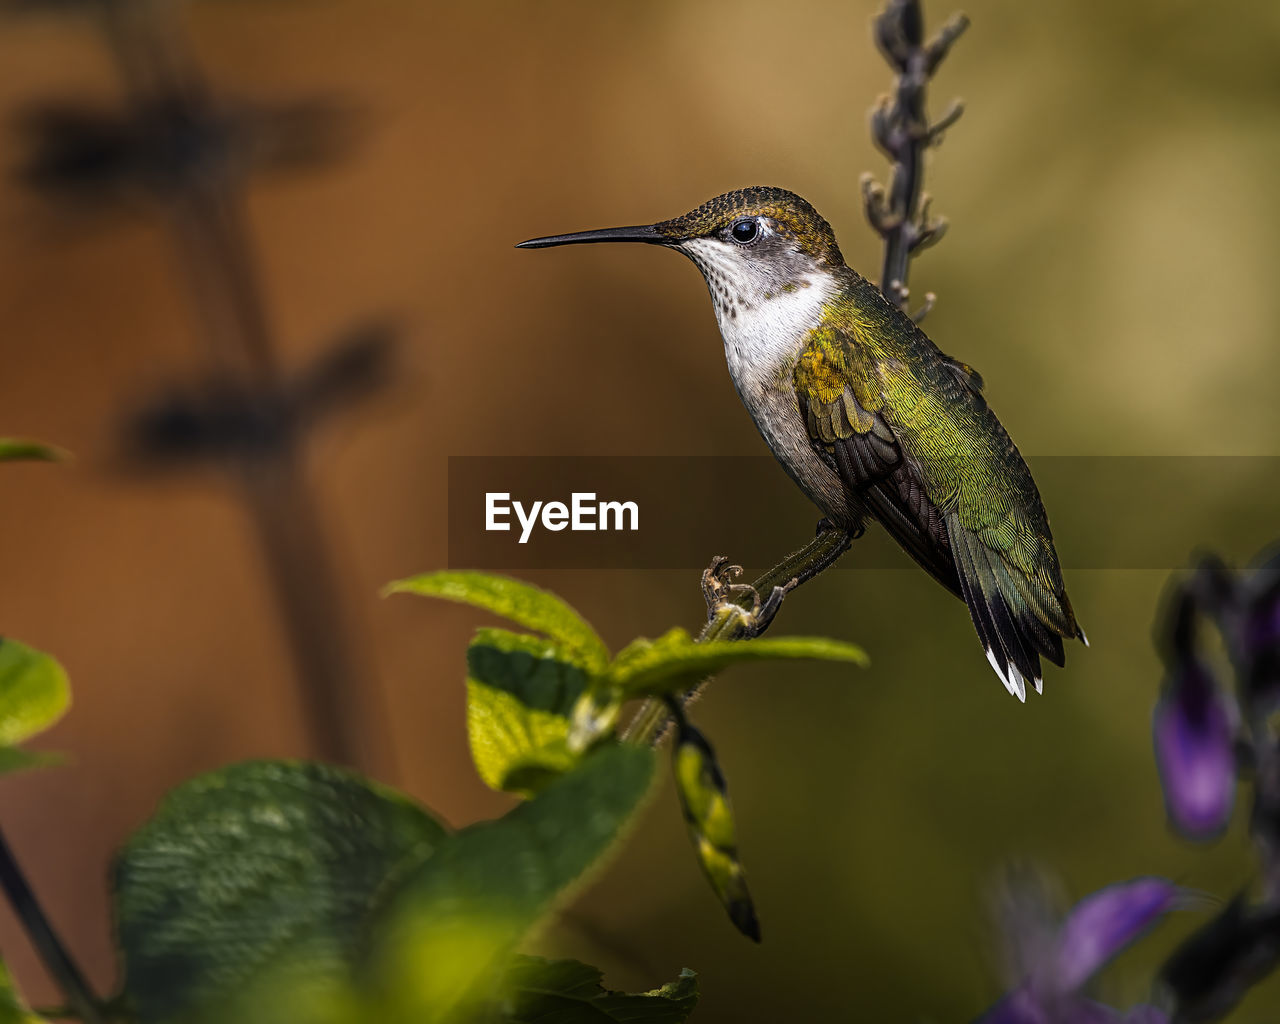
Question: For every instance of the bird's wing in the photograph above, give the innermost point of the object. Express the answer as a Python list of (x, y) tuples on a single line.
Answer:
[(844, 410), (915, 440)]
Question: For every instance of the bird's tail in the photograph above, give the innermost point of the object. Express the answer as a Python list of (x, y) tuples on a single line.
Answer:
[(1018, 619)]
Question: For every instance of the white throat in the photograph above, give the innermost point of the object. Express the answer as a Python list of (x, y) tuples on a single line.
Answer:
[(764, 323)]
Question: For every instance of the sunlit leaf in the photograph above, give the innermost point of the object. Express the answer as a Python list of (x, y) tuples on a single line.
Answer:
[(520, 602), (33, 692), (674, 661), (453, 925), (594, 717), (520, 692), (260, 868), (568, 992)]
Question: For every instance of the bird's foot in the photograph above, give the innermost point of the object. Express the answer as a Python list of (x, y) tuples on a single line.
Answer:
[(854, 532), (721, 592), (764, 611)]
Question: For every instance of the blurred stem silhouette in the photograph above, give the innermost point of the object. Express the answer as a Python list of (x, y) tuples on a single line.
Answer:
[(901, 128), (210, 225), (57, 961)]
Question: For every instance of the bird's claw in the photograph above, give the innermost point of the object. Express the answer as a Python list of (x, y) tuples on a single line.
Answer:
[(718, 582), (720, 592), (764, 611)]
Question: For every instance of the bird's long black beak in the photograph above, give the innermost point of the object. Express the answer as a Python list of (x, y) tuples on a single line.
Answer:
[(641, 233)]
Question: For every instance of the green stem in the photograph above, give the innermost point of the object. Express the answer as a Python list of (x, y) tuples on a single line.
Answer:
[(54, 955), (732, 621)]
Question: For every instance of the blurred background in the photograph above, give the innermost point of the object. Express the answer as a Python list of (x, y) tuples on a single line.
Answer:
[(1109, 269)]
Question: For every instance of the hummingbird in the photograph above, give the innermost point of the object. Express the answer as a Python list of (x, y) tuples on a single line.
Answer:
[(870, 419)]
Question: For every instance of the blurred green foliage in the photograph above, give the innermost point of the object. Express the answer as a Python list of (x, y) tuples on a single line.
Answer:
[(33, 695), (252, 869), (291, 887), (288, 889), (275, 888), (12, 1009), (16, 450)]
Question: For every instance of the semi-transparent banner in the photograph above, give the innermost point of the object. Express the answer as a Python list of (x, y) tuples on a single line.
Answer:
[(661, 512)]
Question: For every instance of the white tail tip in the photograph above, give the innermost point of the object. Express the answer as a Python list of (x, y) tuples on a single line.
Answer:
[(1012, 678)]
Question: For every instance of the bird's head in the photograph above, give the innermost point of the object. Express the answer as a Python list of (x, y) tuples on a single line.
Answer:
[(751, 245)]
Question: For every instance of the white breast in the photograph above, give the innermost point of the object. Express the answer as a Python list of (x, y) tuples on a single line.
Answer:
[(761, 337), (764, 330)]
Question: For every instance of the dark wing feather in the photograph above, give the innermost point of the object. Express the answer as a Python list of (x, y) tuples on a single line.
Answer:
[(898, 502)]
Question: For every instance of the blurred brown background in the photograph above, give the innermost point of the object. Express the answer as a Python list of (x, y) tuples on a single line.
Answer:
[(1110, 270)]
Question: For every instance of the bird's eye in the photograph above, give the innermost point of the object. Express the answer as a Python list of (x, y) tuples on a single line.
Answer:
[(745, 231)]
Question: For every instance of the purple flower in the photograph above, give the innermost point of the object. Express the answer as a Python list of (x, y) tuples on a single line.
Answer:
[(1262, 632), (1056, 964), (1021, 1008), (1258, 636), (1146, 1015), (1193, 730)]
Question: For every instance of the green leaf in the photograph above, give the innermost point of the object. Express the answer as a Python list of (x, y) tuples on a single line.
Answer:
[(568, 992), (12, 1008), (675, 661), (33, 692), (453, 926), (532, 668), (246, 874), (520, 602), (15, 759), (520, 691), (14, 449)]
